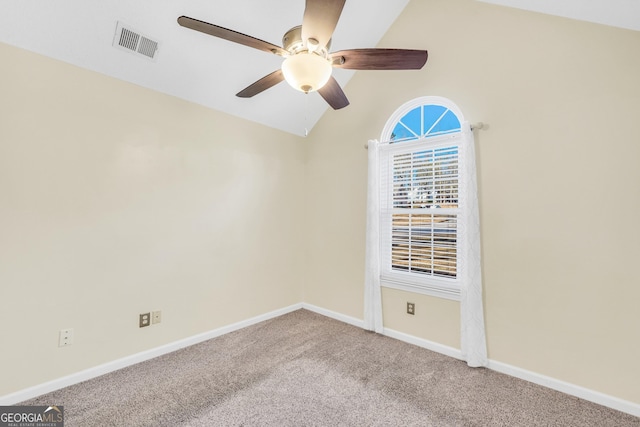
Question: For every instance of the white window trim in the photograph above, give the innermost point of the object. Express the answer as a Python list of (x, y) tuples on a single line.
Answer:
[(412, 282)]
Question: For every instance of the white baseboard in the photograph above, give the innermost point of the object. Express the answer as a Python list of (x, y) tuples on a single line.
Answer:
[(332, 314), (552, 383), (555, 384), (87, 374), (429, 345), (567, 388)]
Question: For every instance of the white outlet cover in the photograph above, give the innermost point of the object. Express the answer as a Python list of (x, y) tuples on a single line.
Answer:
[(65, 338), (156, 317)]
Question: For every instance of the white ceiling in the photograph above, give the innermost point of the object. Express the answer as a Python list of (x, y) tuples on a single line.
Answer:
[(191, 65), (615, 13), (209, 71)]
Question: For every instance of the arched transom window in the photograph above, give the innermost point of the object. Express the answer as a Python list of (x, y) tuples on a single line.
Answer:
[(424, 117)]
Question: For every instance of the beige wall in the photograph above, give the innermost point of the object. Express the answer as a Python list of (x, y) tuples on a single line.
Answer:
[(116, 200), (558, 180)]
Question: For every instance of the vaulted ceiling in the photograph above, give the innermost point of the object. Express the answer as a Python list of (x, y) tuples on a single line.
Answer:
[(210, 71)]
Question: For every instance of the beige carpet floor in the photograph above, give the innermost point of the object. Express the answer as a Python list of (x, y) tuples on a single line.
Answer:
[(303, 369)]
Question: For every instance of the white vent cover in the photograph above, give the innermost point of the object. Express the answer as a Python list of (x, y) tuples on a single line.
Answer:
[(134, 42)]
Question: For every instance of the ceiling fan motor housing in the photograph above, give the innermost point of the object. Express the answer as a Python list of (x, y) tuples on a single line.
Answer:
[(292, 42)]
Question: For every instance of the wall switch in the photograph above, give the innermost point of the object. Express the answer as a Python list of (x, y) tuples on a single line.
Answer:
[(145, 319), (156, 317), (65, 337), (411, 308)]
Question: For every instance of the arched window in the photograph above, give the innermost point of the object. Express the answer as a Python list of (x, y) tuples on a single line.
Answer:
[(420, 197), (423, 229), (424, 117)]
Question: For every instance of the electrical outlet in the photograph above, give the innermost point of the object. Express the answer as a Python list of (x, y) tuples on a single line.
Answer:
[(145, 319), (411, 308), (156, 317), (65, 337)]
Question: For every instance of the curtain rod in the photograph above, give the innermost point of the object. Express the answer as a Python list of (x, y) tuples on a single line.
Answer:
[(473, 127)]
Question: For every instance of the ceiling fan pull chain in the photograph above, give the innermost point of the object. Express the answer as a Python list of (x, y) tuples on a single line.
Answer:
[(306, 114)]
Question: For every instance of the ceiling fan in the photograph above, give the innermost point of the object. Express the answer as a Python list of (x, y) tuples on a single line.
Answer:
[(308, 64)]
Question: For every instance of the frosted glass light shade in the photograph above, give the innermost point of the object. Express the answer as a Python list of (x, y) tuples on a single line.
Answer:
[(306, 72)]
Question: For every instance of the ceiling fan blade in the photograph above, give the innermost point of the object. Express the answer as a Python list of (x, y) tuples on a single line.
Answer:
[(227, 34), (333, 94), (261, 85), (320, 20), (379, 59)]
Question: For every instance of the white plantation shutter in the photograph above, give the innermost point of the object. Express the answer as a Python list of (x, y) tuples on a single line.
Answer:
[(419, 215)]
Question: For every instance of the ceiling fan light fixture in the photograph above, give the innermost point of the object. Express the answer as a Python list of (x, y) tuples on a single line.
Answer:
[(306, 48), (306, 72)]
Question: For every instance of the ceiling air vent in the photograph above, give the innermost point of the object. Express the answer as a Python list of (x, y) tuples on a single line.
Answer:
[(132, 41)]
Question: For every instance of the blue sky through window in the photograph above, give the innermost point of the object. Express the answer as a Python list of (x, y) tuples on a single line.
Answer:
[(425, 121)]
